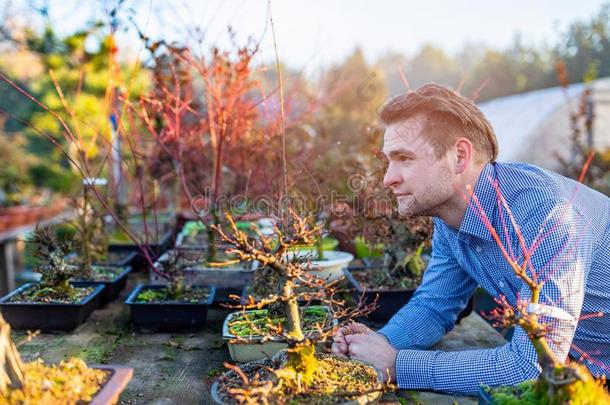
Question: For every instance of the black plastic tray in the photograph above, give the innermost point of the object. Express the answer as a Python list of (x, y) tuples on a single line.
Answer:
[(48, 317), (168, 316), (388, 301), (112, 288)]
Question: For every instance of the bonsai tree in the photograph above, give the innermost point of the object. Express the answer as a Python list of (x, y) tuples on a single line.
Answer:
[(192, 138), (559, 382), (300, 369), (52, 265)]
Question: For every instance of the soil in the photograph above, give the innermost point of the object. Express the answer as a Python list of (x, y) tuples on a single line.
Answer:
[(69, 382), (336, 380), (379, 280), (49, 296), (192, 295)]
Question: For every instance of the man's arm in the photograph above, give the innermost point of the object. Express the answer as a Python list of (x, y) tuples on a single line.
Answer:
[(433, 309), (563, 256)]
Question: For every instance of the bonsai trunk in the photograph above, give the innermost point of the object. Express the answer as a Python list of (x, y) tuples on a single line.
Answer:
[(301, 353), (11, 370)]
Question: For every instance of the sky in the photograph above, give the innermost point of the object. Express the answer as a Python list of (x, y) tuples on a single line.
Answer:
[(313, 34)]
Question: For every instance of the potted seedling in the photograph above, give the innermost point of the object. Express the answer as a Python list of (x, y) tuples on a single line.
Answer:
[(69, 382), (92, 248), (297, 374), (175, 305), (541, 318), (53, 303)]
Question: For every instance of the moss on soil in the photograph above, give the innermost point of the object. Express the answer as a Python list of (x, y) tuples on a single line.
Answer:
[(535, 392), (70, 382), (191, 295)]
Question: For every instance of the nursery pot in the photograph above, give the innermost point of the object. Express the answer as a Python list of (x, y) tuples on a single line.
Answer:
[(112, 288), (171, 315), (48, 316), (388, 301)]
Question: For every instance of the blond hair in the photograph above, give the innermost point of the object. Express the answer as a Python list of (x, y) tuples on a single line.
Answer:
[(448, 116)]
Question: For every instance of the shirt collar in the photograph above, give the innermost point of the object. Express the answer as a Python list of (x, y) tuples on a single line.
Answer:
[(472, 223)]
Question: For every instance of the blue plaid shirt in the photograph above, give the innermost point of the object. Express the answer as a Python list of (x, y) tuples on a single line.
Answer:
[(570, 224)]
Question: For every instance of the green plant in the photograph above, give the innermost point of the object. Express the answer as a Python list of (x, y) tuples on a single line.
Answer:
[(52, 265)]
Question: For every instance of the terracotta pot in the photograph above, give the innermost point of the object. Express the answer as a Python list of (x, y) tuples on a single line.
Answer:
[(110, 392)]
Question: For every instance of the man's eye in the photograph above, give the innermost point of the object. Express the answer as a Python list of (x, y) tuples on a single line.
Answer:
[(403, 158)]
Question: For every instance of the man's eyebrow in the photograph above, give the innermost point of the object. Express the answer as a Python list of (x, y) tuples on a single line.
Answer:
[(398, 152)]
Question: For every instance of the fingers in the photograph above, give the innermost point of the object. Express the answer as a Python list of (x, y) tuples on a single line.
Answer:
[(340, 348), (356, 327)]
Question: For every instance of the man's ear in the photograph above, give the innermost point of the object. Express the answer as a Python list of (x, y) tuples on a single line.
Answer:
[(463, 154)]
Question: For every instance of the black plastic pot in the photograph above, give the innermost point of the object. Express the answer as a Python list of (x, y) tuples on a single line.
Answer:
[(48, 317), (222, 298), (112, 288), (388, 301), (139, 263), (126, 260), (168, 316)]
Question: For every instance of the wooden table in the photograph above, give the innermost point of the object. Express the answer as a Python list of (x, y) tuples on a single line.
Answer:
[(180, 368)]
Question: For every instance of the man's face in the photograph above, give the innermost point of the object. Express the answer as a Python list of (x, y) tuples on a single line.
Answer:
[(422, 183)]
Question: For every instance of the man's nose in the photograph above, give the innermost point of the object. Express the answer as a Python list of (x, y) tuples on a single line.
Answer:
[(391, 178)]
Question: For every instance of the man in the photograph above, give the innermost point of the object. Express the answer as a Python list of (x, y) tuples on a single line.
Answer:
[(438, 144)]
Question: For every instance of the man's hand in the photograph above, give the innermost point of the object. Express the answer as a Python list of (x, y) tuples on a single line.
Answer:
[(362, 343), (340, 345), (374, 349)]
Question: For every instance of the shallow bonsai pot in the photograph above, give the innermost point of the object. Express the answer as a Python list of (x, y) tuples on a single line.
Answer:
[(154, 249), (48, 316), (364, 399), (168, 316), (254, 348), (112, 288), (110, 392), (388, 301), (331, 267)]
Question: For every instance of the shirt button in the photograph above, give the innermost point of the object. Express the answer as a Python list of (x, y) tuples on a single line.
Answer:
[(501, 284), (478, 249)]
